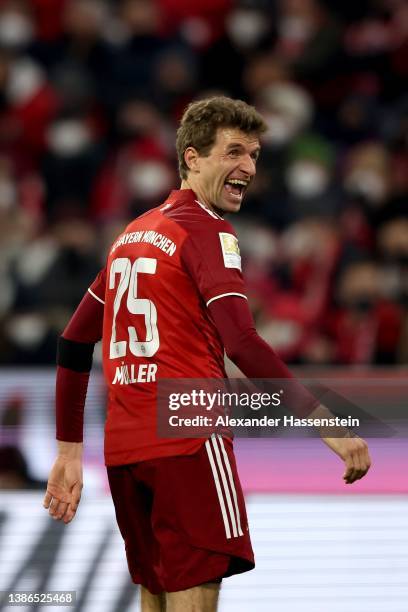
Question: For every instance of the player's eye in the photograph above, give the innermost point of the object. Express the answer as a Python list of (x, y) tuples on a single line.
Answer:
[(234, 153)]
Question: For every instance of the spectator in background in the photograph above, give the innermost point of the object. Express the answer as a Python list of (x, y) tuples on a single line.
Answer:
[(366, 327), (393, 247), (290, 281), (28, 104), (17, 25), (80, 53), (70, 165), (368, 177), (134, 60), (248, 30), (49, 274), (90, 93), (288, 112), (174, 81), (311, 190), (367, 192), (140, 170), (309, 39)]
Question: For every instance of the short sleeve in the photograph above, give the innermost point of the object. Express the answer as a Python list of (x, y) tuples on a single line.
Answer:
[(97, 289), (212, 258)]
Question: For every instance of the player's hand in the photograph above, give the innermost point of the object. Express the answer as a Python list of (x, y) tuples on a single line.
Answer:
[(64, 488), (354, 452)]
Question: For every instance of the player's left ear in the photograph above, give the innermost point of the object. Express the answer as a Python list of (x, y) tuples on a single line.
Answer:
[(192, 159)]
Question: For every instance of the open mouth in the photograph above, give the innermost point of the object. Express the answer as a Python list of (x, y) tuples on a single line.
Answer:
[(236, 187)]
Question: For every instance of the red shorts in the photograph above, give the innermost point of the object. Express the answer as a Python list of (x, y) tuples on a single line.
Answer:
[(183, 518)]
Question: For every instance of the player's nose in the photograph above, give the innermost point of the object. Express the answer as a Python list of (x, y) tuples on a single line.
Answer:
[(248, 165)]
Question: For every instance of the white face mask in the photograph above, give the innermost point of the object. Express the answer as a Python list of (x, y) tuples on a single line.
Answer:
[(27, 330), (264, 249), (149, 179), (246, 27), (367, 183), (16, 30), (35, 260), (280, 130), (25, 80), (287, 109), (281, 334), (68, 137), (306, 179)]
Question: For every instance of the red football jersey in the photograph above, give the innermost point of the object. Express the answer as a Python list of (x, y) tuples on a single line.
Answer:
[(161, 274)]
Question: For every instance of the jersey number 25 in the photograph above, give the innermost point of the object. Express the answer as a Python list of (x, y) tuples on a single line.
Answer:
[(138, 306)]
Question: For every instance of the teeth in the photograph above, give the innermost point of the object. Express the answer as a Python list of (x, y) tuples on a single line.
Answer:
[(237, 182)]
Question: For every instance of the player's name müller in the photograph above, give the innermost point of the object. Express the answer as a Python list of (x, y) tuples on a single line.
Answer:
[(148, 236)]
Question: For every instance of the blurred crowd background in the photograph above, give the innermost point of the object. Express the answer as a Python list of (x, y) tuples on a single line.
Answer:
[(90, 95)]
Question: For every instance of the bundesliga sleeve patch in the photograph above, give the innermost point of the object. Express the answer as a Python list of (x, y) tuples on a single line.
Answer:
[(230, 250)]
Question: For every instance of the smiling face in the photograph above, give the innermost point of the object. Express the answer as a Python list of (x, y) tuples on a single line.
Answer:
[(221, 178)]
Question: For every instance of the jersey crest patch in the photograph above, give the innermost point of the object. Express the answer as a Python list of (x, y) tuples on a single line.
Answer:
[(230, 250)]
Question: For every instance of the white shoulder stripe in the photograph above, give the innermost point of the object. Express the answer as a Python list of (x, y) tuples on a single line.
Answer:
[(95, 296), (217, 297), (210, 212)]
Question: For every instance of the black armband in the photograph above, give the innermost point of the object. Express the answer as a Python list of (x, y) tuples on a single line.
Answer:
[(74, 355)]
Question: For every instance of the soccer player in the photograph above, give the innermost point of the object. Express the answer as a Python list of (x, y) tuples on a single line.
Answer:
[(169, 302)]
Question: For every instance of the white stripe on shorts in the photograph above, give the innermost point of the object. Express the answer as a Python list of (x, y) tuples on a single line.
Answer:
[(227, 494), (232, 485), (229, 509), (218, 487)]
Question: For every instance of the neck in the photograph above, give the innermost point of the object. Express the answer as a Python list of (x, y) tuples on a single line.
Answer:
[(189, 184), (185, 184)]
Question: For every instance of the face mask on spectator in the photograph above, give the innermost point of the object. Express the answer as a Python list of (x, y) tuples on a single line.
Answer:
[(16, 30), (306, 179), (27, 330), (280, 130), (246, 27), (26, 79), (69, 137), (368, 184), (287, 110), (149, 179)]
